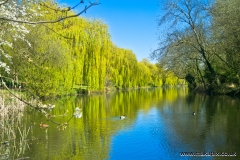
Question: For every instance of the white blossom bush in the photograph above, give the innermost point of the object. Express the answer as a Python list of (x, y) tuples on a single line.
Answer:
[(11, 12)]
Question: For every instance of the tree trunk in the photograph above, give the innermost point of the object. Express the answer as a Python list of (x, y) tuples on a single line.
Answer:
[(201, 76), (211, 69)]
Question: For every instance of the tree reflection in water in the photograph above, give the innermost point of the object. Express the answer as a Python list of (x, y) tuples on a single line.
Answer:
[(160, 116)]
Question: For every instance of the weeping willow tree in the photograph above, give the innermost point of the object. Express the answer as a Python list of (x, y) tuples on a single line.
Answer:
[(143, 71), (123, 68), (150, 74), (97, 51), (126, 72), (90, 47), (67, 54), (76, 53)]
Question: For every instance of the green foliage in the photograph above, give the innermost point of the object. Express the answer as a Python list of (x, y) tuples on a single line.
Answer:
[(227, 37), (77, 53)]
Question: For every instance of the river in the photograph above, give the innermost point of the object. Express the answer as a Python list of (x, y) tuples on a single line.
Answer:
[(159, 125)]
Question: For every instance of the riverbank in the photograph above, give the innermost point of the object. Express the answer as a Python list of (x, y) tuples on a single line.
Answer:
[(229, 90), (85, 91)]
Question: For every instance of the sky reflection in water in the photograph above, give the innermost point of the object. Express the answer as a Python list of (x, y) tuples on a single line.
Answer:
[(170, 128), (159, 125)]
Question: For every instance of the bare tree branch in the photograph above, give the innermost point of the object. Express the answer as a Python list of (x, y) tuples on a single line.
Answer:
[(53, 21), (21, 99), (39, 108)]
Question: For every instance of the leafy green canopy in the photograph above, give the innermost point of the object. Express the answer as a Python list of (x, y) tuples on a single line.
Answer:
[(74, 54)]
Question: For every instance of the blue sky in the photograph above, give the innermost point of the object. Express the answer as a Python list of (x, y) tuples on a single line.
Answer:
[(132, 23)]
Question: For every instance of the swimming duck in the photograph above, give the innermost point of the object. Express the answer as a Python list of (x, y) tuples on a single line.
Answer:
[(122, 117), (193, 113), (44, 125)]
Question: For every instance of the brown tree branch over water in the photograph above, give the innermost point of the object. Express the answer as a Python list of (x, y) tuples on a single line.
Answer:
[(39, 107), (64, 10)]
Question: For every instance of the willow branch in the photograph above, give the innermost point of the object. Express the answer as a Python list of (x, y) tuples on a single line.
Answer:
[(56, 32)]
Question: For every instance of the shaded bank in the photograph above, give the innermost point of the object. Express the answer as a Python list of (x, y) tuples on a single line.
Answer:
[(229, 90)]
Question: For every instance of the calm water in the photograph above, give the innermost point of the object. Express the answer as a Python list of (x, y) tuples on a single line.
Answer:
[(159, 125)]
